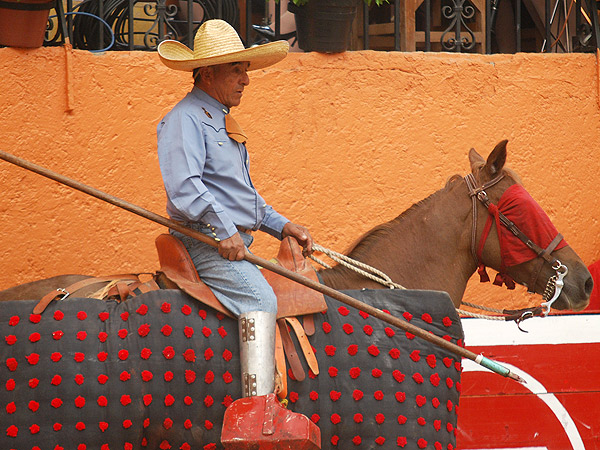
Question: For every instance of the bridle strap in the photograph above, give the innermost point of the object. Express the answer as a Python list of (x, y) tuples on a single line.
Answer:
[(545, 254), (475, 193)]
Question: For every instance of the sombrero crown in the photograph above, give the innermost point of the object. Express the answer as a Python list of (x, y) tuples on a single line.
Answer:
[(217, 42)]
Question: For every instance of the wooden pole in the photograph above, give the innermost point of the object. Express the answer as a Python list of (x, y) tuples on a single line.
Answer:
[(326, 290)]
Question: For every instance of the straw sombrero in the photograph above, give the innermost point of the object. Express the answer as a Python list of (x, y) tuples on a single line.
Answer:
[(217, 42)]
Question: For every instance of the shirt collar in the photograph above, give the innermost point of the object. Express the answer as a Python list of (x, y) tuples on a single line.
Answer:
[(210, 101)]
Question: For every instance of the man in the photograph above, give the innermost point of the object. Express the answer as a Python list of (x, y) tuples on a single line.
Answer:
[(205, 169)]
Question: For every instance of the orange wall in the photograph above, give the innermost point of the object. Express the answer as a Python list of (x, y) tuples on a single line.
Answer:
[(339, 142)]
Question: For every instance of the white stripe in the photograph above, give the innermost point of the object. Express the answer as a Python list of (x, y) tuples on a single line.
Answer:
[(572, 329), (549, 399), (512, 448)]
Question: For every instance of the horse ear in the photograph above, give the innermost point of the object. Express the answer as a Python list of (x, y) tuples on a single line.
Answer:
[(475, 159), (497, 158)]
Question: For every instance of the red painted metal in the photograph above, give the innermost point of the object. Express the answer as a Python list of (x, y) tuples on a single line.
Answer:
[(558, 408), (261, 422)]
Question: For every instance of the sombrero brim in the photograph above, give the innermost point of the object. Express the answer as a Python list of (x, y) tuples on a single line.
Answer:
[(178, 56)]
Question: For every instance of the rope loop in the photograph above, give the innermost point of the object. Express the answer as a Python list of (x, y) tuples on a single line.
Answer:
[(357, 266)]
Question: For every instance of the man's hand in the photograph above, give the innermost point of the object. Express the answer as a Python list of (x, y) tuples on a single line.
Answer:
[(232, 248), (301, 234)]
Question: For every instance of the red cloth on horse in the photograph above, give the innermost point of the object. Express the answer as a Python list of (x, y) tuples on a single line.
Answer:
[(595, 297), (520, 208)]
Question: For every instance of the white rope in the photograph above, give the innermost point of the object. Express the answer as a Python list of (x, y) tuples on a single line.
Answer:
[(357, 266)]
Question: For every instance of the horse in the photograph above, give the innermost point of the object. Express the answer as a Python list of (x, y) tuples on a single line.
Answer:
[(168, 368), (430, 246)]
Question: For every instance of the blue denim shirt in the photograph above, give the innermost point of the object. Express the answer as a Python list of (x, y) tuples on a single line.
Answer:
[(206, 174)]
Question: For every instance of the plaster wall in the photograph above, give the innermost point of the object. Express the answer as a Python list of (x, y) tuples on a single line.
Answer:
[(340, 143)]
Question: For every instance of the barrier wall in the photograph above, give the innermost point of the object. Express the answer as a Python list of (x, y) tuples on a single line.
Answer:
[(339, 142)]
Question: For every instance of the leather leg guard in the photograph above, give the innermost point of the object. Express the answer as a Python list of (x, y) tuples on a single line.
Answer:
[(258, 421)]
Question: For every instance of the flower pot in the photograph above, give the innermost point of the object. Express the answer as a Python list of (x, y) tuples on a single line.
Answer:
[(324, 25), (23, 23)]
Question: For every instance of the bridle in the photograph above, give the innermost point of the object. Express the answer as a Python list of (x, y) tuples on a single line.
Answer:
[(555, 283)]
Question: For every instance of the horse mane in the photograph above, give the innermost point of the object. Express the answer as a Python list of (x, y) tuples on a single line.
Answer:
[(361, 245)]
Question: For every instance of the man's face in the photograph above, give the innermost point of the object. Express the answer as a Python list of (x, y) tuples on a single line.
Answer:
[(228, 82)]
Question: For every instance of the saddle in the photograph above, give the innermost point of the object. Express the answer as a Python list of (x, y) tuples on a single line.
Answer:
[(293, 299)]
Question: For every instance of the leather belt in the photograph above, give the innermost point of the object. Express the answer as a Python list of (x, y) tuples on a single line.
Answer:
[(244, 230)]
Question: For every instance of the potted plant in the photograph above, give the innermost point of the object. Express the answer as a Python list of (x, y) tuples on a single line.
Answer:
[(23, 23), (325, 25)]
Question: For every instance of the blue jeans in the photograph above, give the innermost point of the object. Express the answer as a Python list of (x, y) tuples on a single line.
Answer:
[(239, 285)]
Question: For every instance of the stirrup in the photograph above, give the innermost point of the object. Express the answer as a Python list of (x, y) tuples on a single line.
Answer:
[(261, 422)]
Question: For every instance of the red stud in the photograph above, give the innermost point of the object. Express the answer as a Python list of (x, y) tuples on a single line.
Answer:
[(11, 339), (189, 355), (59, 315), (143, 330), (142, 310), (145, 353), (188, 332), (33, 359), (343, 311), (35, 318), (348, 329), (335, 419), (222, 332), (168, 376), (12, 364), (82, 315), (227, 377), (13, 321), (373, 350), (165, 307), (326, 327), (34, 429), (335, 396), (354, 372), (357, 395), (34, 337), (166, 330)]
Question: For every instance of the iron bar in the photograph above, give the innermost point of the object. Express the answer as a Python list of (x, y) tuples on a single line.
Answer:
[(365, 26), (397, 25)]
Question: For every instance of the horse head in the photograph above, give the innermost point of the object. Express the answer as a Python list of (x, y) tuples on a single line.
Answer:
[(514, 236)]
